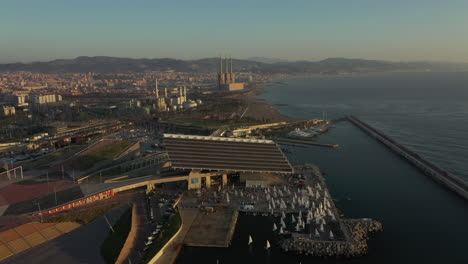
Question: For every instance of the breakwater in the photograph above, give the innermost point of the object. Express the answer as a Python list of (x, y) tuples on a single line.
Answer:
[(358, 229), (436, 173)]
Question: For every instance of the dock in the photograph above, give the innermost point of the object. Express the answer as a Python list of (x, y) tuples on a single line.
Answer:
[(212, 229), (436, 173), (280, 140)]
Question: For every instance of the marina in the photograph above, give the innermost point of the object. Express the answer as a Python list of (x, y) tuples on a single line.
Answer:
[(305, 219)]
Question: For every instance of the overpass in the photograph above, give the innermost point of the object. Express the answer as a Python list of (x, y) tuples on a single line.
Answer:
[(149, 183), (107, 190)]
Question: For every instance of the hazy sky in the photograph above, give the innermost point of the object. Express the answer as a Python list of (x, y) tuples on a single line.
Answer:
[(33, 30)]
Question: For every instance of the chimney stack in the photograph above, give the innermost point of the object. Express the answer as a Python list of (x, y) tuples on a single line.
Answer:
[(220, 65), (156, 89)]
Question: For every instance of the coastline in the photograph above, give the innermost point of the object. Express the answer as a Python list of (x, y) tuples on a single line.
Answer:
[(259, 109)]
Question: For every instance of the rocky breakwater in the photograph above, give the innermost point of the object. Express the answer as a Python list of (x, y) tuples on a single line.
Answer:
[(358, 230)]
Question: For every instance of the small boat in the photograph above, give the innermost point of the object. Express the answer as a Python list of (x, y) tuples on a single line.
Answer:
[(250, 240), (283, 224), (331, 235), (274, 227), (267, 245), (317, 234)]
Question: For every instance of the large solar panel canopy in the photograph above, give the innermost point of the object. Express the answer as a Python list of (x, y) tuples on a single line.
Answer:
[(225, 154)]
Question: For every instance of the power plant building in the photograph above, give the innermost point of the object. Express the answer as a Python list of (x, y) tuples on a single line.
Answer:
[(176, 100), (45, 98), (227, 78)]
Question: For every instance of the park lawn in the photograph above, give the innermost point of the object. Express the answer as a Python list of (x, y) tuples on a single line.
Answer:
[(87, 161), (111, 247), (211, 123)]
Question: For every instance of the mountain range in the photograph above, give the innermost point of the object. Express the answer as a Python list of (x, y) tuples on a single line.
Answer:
[(105, 64)]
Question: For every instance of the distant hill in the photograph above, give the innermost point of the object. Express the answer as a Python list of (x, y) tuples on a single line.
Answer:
[(114, 64), (266, 60)]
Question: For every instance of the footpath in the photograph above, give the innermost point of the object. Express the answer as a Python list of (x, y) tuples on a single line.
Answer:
[(172, 250)]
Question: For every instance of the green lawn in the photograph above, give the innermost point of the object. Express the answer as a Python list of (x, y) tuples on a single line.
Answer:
[(211, 123), (107, 152), (106, 174), (111, 247)]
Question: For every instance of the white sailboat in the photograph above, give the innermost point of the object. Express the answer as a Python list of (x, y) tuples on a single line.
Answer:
[(331, 235), (317, 234), (281, 230), (267, 245), (250, 240), (274, 227), (283, 224), (293, 220)]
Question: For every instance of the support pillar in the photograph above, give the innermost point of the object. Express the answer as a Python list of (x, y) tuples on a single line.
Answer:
[(225, 181), (208, 181)]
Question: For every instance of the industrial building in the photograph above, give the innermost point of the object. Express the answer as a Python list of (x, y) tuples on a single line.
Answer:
[(45, 98), (7, 111), (210, 158), (18, 99), (227, 79), (173, 101)]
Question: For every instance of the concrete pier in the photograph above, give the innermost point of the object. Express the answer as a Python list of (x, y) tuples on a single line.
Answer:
[(304, 142), (438, 174)]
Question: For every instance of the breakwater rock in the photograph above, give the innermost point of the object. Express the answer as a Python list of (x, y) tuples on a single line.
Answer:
[(358, 230)]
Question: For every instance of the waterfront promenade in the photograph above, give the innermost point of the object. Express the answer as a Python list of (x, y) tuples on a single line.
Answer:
[(171, 252)]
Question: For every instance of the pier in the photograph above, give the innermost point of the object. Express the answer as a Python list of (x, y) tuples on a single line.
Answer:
[(304, 142), (436, 173)]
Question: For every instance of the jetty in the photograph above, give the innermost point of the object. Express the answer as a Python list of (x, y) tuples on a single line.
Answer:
[(436, 173), (304, 142)]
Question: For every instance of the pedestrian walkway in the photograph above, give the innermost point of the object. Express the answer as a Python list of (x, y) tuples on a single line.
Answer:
[(20, 238), (172, 251)]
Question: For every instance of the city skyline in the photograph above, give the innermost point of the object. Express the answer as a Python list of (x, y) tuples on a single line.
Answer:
[(304, 30)]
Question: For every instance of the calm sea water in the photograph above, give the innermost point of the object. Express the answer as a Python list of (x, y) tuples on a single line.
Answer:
[(423, 222), (425, 111)]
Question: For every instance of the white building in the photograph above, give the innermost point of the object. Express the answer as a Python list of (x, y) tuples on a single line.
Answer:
[(7, 111), (45, 98)]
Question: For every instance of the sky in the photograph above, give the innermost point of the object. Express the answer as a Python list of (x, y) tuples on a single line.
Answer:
[(396, 30)]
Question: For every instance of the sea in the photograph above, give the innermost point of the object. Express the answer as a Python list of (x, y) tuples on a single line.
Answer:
[(423, 221)]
